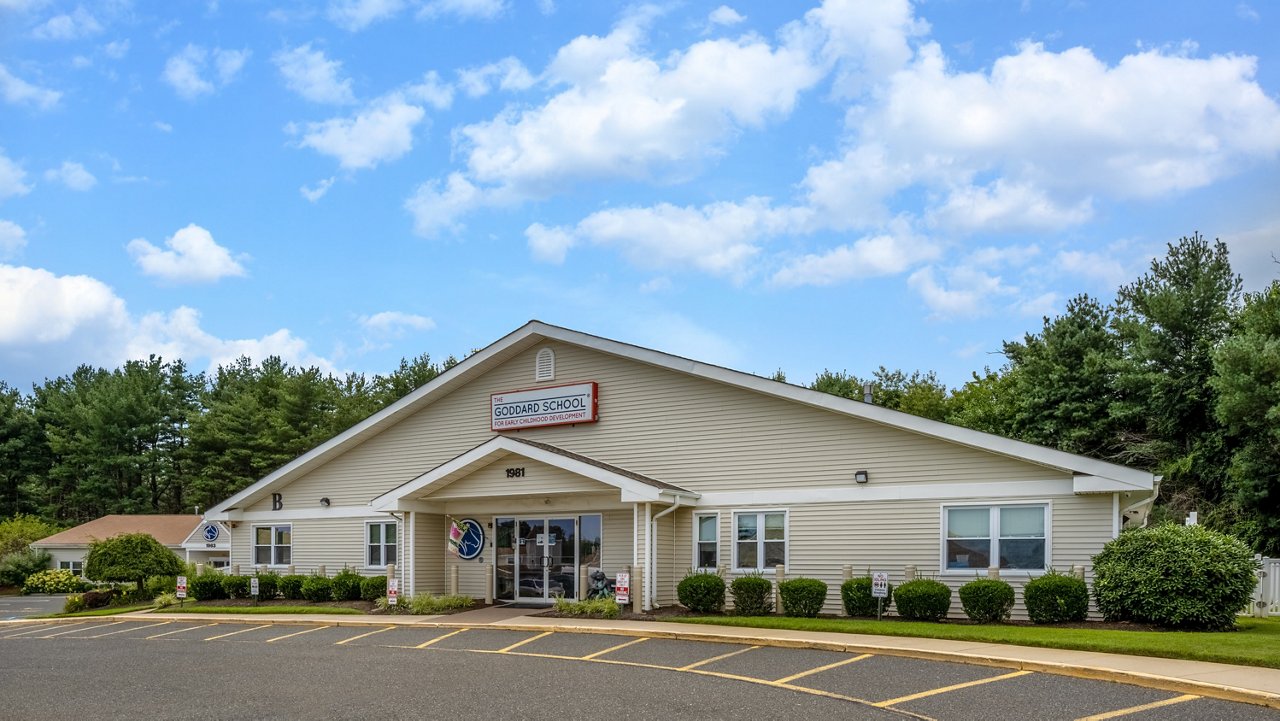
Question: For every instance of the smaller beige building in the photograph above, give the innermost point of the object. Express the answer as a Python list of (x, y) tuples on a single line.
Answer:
[(188, 536)]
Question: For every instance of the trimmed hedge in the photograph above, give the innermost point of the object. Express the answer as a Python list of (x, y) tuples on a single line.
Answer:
[(235, 586), (858, 601), (1056, 598), (317, 588), (802, 597), (268, 586), (923, 600), (752, 595), (346, 585), (373, 588), (206, 587), (1175, 576), (291, 586), (987, 600), (701, 592)]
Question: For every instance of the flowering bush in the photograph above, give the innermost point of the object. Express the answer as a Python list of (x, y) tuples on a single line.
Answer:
[(53, 581)]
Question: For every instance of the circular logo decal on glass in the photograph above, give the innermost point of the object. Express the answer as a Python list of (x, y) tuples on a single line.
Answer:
[(472, 541), (210, 533)]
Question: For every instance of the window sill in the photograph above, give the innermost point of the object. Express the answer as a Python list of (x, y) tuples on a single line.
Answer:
[(982, 572)]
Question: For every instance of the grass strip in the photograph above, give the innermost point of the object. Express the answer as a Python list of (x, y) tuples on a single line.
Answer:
[(257, 610), (107, 611), (1255, 642)]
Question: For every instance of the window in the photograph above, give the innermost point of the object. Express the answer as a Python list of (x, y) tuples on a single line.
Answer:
[(760, 540), (76, 567), (272, 545), (1011, 537), (706, 529), (381, 549)]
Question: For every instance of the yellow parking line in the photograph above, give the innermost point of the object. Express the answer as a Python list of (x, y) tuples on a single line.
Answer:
[(611, 649), (518, 644), (820, 669), (345, 641), (180, 630), (713, 659), (77, 628), (296, 633), (126, 630), (1137, 709), (233, 633), (945, 689), (440, 638), (37, 629)]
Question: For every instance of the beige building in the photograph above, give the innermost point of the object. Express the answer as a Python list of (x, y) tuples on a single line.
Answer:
[(188, 536), (558, 451)]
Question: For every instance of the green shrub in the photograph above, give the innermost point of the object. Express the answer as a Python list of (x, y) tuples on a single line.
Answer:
[(425, 604), (317, 589), (268, 586), (923, 599), (166, 600), (1175, 576), (53, 581), (206, 587), (157, 585), (235, 586), (1056, 598), (603, 607), (803, 597), (17, 566), (986, 600), (373, 588), (857, 598), (131, 558), (346, 585), (752, 595), (291, 586), (74, 604), (701, 592)]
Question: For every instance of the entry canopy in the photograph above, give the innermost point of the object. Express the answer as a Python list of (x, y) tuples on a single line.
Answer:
[(634, 487)]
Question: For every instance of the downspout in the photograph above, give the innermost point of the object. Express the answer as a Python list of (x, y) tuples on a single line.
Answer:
[(1141, 509), (399, 566), (651, 572)]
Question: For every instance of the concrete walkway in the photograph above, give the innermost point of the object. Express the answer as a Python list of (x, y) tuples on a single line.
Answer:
[(1248, 684)]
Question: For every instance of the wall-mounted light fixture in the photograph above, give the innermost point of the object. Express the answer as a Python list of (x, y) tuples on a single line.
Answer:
[(325, 501), (861, 476)]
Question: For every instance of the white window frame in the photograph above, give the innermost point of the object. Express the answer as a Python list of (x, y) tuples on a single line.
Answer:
[(705, 514), (760, 514), (994, 530), (254, 545), (382, 552), (76, 567)]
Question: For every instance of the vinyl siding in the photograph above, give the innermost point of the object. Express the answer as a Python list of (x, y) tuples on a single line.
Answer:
[(539, 478), (329, 542)]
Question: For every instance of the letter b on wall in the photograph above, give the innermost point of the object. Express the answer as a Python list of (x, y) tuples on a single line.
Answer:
[(277, 501)]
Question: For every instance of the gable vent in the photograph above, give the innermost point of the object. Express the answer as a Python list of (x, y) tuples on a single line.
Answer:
[(544, 367)]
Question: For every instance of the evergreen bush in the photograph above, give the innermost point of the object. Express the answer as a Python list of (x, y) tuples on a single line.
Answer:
[(346, 585), (268, 586), (858, 601), (987, 600), (802, 597), (373, 588), (1175, 576), (752, 595), (701, 592), (291, 586), (235, 586), (923, 599), (317, 589), (17, 566), (206, 587), (1056, 598)]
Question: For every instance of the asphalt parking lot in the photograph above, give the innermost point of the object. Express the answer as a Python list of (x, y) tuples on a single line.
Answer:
[(284, 671), (12, 607)]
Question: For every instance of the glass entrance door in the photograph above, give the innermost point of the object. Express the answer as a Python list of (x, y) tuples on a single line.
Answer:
[(546, 561)]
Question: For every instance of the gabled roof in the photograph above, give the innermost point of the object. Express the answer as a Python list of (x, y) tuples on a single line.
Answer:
[(168, 530), (634, 486), (1094, 476)]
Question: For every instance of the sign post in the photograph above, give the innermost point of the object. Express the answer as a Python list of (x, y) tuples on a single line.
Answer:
[(393, 591), (879, 591), (253, 588), (622, 588), (182, 590)]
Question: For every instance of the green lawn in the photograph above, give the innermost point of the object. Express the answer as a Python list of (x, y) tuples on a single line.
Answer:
[(105, 611), (1255, 643), (261, 609)]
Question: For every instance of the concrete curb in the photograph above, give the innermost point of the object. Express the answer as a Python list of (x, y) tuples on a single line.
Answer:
[(1097, 673)]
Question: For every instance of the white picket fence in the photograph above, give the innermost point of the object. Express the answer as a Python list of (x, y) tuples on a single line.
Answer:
[(1266, 597)]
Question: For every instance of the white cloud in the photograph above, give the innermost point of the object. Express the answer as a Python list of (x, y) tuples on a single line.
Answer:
[(68, 26), (185, 71), (116, 49), (395, 324), (507, 73), (725, 15), (432, 91), (1246, 12), (1005, 206), (177, 334), (355, 15), (316, 78), (12, 239), (381, 132), (72, 175), (17, 91), (967, 292), (867, 257), (549, 245), (681, 336), (464, 9), (317, 192), (546, 7), (1255, 254), (13, 179), (1040, 306), (38, 308), (435, 207), (162, 126), (193, 257), (866, 42)]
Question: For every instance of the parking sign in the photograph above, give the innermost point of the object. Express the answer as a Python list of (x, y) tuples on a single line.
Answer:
[(182, 586)]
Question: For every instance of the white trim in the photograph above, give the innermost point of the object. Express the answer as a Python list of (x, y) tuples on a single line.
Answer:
[(994, 530), (315, 514), (694, 562), (538, 367), (1115, 515), (1119, 478), (399, 549), (760, 513), (411, 561), (71, 566), (195, 540), (253, 545), (895, 492)]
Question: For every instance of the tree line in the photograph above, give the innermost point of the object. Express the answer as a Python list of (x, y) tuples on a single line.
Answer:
[(1180, 375)]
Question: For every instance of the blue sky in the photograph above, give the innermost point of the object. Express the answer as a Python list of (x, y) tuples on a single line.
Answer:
[(761, 185)]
